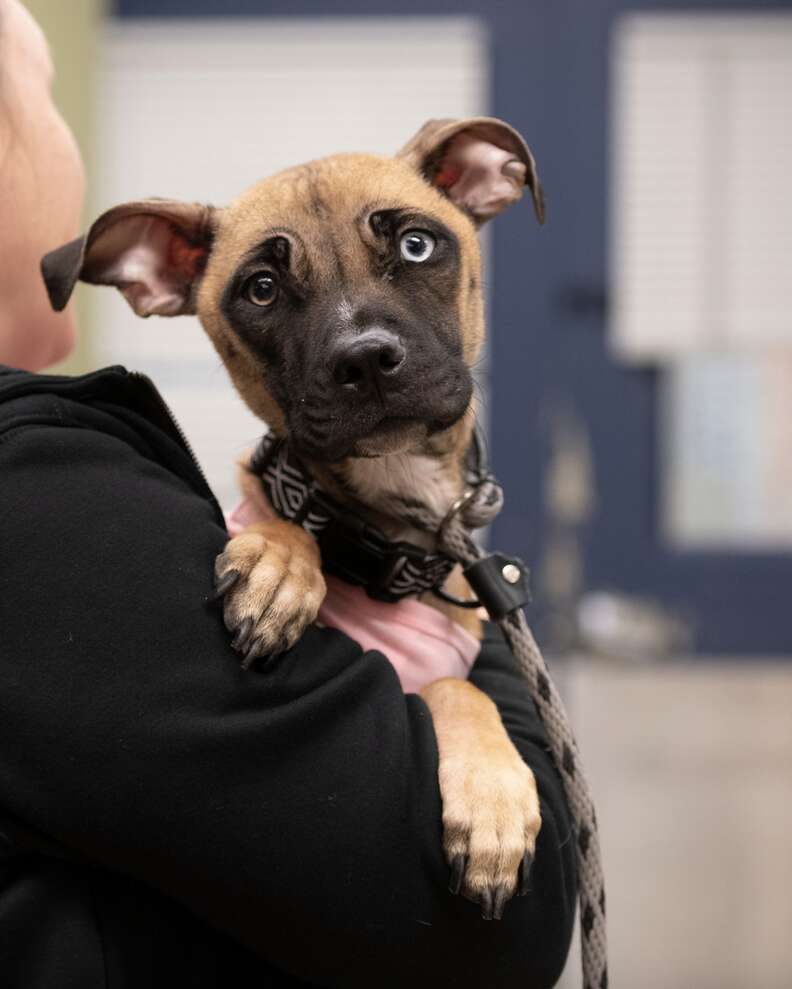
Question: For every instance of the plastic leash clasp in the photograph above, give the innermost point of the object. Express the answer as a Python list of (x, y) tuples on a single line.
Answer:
[(500, 583)]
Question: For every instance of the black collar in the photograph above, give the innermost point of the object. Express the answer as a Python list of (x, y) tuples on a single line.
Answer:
[(361, 554), (351, 549)]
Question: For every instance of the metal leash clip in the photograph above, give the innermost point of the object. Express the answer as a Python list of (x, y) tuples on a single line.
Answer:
[(499, 582)]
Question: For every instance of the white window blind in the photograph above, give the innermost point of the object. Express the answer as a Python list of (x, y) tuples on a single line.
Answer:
[(701, 164)]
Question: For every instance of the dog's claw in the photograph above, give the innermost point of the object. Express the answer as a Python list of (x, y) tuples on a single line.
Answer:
[(269, 662), (223, 586), (525, 874), (240, 640), (252, 653), (499, 902), (486, 904), (457, 874)]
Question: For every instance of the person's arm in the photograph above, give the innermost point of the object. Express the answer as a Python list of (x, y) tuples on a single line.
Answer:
[(296, 808)]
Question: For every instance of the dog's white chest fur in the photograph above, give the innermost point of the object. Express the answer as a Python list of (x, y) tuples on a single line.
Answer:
[(397, 479)]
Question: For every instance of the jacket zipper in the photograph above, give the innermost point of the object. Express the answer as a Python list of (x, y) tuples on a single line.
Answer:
[(165, 408)]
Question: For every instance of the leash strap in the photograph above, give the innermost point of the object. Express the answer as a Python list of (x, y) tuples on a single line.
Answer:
[(357, 551), (454, 539)]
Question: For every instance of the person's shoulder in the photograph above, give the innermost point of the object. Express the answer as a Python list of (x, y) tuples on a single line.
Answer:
[(110, 403), (15, 381), (28, 399)]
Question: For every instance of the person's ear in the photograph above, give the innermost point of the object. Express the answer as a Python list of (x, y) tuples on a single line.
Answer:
[(153, 251), (481, 164)]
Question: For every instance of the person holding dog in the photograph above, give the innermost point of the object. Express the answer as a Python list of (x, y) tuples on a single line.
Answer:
[(167, 818)]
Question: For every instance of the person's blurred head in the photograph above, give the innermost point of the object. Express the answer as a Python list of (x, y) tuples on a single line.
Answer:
[(41, 190)]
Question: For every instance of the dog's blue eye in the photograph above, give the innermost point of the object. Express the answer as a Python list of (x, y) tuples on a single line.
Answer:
[(417, 245), (261, 289)]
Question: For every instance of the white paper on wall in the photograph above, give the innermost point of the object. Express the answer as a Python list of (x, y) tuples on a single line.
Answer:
[(701, 158)]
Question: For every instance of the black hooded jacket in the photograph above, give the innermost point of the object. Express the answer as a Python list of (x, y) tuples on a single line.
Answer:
[(167, 819)]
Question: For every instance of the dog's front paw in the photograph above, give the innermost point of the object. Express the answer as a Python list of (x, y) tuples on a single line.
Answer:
[(271, 581), (490, 823)]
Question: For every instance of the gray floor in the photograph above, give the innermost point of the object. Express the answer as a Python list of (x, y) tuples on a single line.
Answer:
[(692, 771)]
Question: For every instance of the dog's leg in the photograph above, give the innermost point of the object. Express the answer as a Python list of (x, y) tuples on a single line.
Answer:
[(490, 803), (271, 579)]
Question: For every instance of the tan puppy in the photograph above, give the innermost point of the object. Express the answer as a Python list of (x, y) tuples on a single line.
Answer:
[(344, 297)]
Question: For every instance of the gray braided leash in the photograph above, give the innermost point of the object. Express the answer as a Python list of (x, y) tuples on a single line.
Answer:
[(477, 508)]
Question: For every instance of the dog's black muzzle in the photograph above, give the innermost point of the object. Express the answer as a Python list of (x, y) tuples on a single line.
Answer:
[(365, 388)]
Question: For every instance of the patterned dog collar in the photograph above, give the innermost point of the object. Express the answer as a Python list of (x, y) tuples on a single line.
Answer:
[(351, 548)]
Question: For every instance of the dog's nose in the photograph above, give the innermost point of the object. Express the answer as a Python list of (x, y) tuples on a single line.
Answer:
[(371, 360)]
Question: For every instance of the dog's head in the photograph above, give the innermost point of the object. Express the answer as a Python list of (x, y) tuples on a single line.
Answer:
[(342, 295)]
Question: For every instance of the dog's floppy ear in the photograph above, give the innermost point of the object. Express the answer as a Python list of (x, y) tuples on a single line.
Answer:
[(154, 251), (481, 164)]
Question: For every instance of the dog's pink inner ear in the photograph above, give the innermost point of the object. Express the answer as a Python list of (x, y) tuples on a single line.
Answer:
[(150, 261), (479, 176)]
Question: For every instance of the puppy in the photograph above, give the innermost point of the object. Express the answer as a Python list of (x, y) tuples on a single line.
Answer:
[(344, 298)]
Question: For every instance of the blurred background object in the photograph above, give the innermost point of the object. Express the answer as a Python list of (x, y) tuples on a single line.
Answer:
[(637, 390)]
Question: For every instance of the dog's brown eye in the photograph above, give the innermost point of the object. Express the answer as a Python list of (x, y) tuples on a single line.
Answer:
[(416, 245), (261, 289)]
